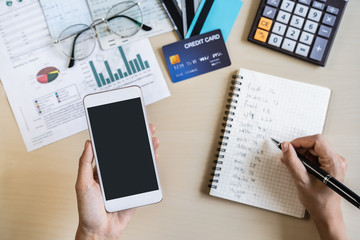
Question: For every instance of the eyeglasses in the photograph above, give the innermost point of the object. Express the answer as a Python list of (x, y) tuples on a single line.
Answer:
[(78, 41)]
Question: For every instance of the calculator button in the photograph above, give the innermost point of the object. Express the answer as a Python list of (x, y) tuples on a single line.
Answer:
[(261, 35), (288, 45), (329, 19), (283, 17), (301, 10), (274, 3), (297, 22), (324, 31), (318, 5), (306, 2), (269, 12), (293, 33), (314, 15), (287, 5), (332, 10), (310, 26), (302, 49), (306, 38), (265, 23), (275, 40), (279, 28), (318, 49)]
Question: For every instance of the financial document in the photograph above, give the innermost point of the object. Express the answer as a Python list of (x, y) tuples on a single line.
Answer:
[(153, 15), (45, 95), (61, 14)]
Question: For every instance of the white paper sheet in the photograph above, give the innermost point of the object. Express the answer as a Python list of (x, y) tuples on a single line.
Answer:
[(153, 15), (47, 112), (61, 14)]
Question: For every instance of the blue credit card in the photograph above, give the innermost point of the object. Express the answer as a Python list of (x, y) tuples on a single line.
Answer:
[(196, 55)]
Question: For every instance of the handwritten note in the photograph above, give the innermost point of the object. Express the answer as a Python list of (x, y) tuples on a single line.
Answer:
[(266, 107)]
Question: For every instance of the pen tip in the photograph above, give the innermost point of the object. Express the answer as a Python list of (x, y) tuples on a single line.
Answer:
[(277, 142)]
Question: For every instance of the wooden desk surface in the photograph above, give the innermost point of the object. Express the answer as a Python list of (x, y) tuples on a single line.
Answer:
[(37, 194)]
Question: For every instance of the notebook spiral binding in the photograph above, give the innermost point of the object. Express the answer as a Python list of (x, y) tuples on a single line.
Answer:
[(228, 118)]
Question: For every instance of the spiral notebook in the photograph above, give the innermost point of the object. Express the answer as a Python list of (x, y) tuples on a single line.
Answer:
[(248, 168)]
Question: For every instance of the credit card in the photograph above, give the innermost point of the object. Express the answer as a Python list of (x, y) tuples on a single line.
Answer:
[(196, 55)]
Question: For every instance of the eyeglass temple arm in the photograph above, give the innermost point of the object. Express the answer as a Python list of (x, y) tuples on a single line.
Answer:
[(144, 26), (72, 58)]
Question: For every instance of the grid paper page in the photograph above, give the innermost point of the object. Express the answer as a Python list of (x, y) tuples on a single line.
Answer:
[(267, 107)]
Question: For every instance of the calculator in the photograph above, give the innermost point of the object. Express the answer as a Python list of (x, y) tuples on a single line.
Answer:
[(304, 29)]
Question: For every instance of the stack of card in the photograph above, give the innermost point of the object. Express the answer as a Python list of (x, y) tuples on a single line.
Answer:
[(189, 8), (205, 25), (197, 17)]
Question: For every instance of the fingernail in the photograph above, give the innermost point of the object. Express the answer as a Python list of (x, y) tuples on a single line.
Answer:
[(86, 144), (284, 147)]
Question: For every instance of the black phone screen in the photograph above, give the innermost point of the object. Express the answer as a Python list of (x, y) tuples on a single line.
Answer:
[(122, 147)]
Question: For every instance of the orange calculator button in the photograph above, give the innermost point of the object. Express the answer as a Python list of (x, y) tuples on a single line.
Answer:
[(265, 23), (261, 35)]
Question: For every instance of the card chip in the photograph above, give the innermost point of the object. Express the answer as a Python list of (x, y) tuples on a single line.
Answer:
[(174, 59)]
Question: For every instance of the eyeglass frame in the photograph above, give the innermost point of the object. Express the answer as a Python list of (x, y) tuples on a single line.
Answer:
[(101, 21)]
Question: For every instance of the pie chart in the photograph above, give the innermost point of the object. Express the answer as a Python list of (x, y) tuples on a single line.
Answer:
[(47, 75)]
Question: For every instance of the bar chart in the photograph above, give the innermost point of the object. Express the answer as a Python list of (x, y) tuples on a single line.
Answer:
[(131, 67)]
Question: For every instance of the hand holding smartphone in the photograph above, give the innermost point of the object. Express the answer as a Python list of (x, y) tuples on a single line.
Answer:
[(123, 149)]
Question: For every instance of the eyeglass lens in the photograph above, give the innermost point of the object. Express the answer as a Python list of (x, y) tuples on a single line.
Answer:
[(79, 41), (125, 19), (84, 38)]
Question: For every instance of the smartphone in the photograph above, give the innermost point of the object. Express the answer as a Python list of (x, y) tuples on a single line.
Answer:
[(123, 148)]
